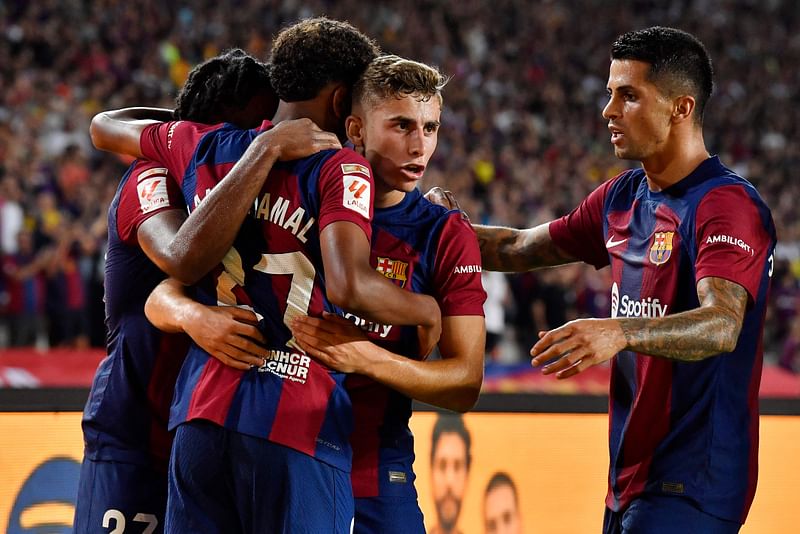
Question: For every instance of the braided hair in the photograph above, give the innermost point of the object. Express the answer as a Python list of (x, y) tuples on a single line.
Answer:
[(222, 85)]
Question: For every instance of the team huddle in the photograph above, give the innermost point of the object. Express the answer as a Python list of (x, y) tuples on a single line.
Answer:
[(275, 283)]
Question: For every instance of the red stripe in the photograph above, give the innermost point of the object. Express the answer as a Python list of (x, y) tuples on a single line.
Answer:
[(302, 409), (647, 425), (213, 394), (369, 410)]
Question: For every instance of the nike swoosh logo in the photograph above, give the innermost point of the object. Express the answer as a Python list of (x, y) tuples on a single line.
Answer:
[(611, 243)]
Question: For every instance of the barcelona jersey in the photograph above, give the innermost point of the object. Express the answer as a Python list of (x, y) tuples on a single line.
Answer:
[(275, 269), (125, 418), (424, 248), (680, 428)]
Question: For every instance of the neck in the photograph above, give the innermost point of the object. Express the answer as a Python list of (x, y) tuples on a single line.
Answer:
[(672, 165), (386, 197), (305, 109)]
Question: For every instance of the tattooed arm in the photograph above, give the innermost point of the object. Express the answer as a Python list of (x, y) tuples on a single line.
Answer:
[(508, 249), (513, 250), (693, 335)]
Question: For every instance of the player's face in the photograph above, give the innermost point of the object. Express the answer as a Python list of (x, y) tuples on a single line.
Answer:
[(449, 478), (399, 136), (638, 114), (500, 511)]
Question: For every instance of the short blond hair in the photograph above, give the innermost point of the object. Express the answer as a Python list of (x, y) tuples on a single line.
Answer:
[(394, 76)]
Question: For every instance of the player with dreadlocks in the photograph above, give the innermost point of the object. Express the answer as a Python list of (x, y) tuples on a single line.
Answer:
[(127, 445)]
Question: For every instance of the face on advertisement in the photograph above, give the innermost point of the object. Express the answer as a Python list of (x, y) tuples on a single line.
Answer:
[(500, 510), (449, 469)]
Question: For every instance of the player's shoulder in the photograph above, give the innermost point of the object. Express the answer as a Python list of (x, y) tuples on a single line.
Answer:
[(348, 160), (139, 170), (436, 217), (715, 181), (332, 163), (141, 167)]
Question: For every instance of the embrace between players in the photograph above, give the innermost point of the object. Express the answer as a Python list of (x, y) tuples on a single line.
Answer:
[(290, 239)]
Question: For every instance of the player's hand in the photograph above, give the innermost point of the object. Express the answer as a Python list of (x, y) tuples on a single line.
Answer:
[(333, 341), (428, 336), (299, 138), (229, 334), (445, 198), (577, 346)]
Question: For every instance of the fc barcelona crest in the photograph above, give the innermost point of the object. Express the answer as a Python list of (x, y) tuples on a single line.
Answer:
[(662, 247), (393, 270)]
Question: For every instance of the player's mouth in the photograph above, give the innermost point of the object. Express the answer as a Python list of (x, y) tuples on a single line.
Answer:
[(413, 170), (617, 135)]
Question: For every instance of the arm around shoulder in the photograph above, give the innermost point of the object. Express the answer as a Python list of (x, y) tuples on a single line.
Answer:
[(119, 130)]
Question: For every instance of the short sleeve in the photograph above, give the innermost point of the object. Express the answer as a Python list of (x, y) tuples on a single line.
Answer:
[(346, 191), (732, 240), (457, 272), (580, 233), (172, 143), (149, 190)]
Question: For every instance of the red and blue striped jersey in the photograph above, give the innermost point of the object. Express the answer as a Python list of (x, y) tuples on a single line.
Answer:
[(682, 428), (423, 248), (274, 268), (126, 415)]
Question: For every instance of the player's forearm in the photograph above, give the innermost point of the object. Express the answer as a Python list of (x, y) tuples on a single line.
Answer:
[(118, 130), (209, 232), (168, 307), (693, 335), (687, 336), (448, 384), (513, 250), (372, 297), (351, 283)]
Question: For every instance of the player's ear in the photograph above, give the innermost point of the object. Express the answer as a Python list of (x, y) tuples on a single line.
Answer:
[(341, 102), (354, 127), (682, 108)]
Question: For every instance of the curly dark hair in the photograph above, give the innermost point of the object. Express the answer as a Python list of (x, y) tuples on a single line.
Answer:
[(679, 62), (220, 85), (313, 53)]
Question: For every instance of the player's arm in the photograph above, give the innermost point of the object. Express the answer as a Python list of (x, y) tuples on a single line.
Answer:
[(119, 130), (353, 284), (514, 250), (709, 330), (509, 249), (188, 248), (227, 333), (453, 383)]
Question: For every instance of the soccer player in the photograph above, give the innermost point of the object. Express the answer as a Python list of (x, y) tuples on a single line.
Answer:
[(423, 248), (305, 247), (127, 445), (690, 245)]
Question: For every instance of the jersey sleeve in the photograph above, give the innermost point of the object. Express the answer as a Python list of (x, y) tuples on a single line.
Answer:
[(149, 190), (346, 191), (732, 241), (581, 232), (457, 272), (172, 143)]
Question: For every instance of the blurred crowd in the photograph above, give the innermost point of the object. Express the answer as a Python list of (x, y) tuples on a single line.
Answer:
[(522, 139)]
